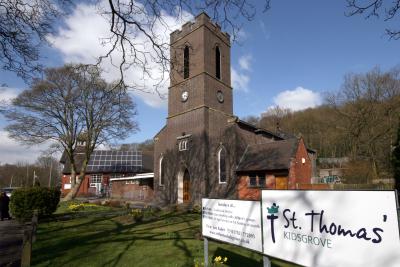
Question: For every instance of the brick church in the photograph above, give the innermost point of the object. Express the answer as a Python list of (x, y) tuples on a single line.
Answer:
[(206, 151)]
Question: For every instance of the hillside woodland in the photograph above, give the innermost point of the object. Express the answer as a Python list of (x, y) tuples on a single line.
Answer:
[(360, 122)]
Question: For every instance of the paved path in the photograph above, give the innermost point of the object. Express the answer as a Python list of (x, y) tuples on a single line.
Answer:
[(12, 237)]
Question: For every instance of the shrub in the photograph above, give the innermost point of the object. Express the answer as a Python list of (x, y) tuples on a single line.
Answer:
[(196, 209), (25, 200), (137, 215)]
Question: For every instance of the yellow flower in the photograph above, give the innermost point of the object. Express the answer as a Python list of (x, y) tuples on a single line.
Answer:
[(218, 259), (225, 259)]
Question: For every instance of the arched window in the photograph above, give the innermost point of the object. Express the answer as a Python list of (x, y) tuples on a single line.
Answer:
[(186, 62), (222, 165), (161, 172), (217, 63)]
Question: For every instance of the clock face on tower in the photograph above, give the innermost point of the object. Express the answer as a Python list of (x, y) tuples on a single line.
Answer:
[(184, 96), (220, 96)]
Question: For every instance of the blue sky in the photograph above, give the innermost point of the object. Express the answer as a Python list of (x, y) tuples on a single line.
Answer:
[(288, 56)]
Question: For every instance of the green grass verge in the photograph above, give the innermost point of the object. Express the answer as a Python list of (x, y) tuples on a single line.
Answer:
[(106, 238)]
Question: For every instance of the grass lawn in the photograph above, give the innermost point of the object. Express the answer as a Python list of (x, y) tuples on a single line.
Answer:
[(105, 236)]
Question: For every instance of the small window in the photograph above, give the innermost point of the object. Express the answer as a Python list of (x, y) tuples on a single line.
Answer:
[(217, 63), (222, 165), (183, 145), (253, 181), (161, 171), (186, 62), (261, 181), (95, 179)]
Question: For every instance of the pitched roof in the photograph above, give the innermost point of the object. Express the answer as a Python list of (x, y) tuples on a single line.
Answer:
[(113, 161), (257, 130), (269, 156)]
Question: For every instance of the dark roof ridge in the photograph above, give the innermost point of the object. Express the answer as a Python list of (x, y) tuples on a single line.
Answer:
[(258, 129)]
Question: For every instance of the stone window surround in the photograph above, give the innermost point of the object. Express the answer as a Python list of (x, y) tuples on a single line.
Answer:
[(160, 171), (219, 165)]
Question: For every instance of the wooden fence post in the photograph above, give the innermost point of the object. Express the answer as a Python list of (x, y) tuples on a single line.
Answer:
[(26, 247), (34, 225)]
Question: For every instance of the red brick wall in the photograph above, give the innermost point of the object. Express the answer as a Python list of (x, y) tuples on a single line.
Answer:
[(300, 173), (246, 193), (254, 193), (84, 189), (140, 192)]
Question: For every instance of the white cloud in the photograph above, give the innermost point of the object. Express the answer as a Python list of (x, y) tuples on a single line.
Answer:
[(245, 62), (297, 99), (7, 94), (264, 30), (82, 41), (240, 78), (13, 152), (240, 81)]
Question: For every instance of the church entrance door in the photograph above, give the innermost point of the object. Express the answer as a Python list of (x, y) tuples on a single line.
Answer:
[(186, 187)]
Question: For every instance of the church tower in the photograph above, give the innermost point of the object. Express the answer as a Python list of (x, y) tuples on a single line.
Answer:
[(199, 109), (200, 68), (199, 151)]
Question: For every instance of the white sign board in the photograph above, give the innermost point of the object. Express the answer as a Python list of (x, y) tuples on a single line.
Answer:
[(67, 186), (331, 228), (233, 221)]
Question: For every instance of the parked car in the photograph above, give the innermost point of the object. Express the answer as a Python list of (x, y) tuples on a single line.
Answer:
[(8, 190)]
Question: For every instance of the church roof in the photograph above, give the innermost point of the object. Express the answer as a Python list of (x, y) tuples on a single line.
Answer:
[(269, 156), (258, 130)]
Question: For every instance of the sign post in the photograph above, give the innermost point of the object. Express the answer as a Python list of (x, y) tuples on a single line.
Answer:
[(267, 262), (205, 252)]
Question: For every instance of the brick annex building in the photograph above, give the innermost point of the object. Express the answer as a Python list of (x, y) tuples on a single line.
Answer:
[(206, 151), (112, 173)]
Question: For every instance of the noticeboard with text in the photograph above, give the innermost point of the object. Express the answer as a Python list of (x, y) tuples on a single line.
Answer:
[(233, 221), (331, 228)]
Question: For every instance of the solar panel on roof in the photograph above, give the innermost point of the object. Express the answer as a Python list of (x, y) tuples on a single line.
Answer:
[(115, 161)]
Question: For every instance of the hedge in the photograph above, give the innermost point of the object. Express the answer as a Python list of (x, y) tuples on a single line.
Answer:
[(25, 200)]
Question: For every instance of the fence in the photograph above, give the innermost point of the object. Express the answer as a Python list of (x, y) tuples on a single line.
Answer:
[(345, 186)]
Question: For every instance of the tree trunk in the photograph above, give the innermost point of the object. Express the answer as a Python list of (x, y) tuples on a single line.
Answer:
[(74, 187)]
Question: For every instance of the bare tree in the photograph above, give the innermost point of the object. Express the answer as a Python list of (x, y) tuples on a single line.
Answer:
[(145, 18), (138, 31), (254, 120), (24, 26), (376, 8), (49, 170), (368, 105), (70, 105)]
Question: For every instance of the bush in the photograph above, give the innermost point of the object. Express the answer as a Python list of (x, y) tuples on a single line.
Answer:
[(25, 200), (196, 209), (137, 215)]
